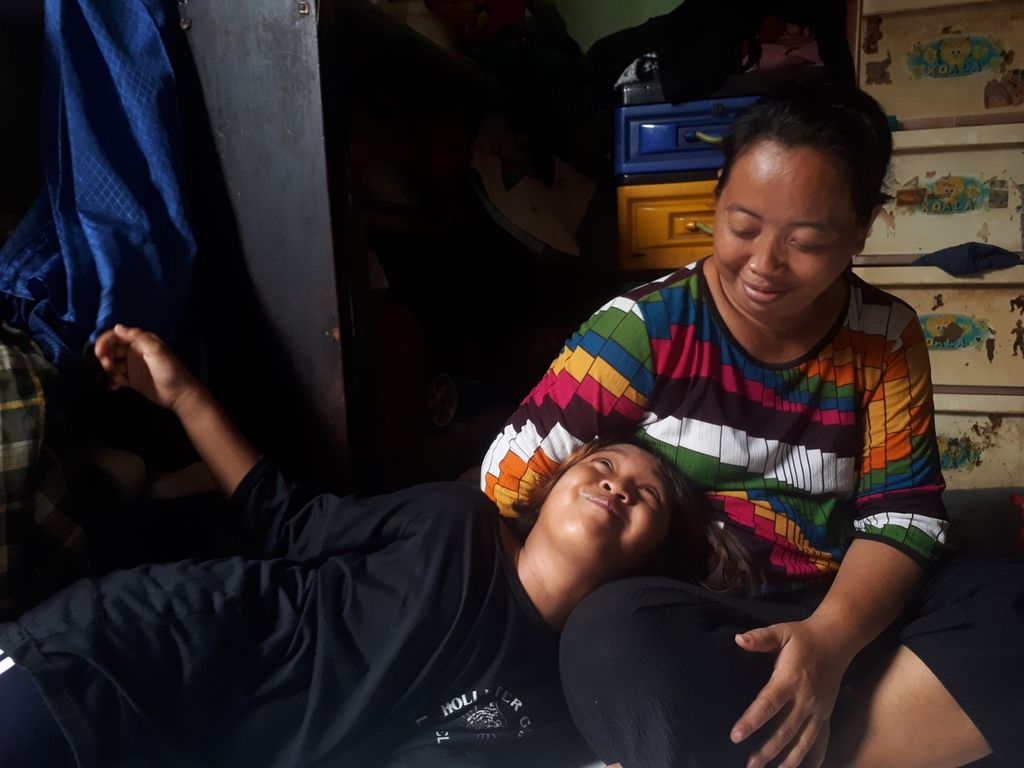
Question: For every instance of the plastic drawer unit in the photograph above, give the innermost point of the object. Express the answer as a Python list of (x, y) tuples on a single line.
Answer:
[(950, 186), (665, 226), (673, 138), (935, 62)]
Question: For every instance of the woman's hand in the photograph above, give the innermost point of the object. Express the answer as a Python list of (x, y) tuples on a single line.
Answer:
[(798, 698), (139, 360), (874, 584)]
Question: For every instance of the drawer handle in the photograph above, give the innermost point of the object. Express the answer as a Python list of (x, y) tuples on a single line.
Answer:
[(692, 137), (700, 226)]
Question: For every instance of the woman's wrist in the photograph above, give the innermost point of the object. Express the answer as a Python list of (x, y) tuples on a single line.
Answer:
[(839, 632)]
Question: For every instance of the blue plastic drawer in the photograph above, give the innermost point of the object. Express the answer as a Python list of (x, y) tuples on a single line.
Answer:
[(666, 138)]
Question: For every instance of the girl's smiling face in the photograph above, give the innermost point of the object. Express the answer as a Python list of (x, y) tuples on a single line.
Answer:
[(613, 509)]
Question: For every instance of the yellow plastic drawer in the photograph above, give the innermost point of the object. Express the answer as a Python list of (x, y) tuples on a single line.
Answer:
[(931, 63), (660, 224)]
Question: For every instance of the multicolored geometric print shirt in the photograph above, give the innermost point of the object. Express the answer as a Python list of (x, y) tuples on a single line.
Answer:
[(796, 458)]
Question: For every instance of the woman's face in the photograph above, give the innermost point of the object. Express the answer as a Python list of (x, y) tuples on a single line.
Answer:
[(612, 509), (785, 230)]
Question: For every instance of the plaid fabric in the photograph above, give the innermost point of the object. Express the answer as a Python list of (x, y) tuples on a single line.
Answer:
[(42, 547)]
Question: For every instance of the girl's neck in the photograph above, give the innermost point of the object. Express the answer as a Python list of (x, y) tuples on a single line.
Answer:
[(553, 586)]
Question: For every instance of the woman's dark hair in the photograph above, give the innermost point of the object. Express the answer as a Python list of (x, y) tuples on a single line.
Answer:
[(840, 120), (696, 548)]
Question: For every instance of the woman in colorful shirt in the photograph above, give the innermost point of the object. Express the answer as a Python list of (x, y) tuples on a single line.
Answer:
[(798, 398)]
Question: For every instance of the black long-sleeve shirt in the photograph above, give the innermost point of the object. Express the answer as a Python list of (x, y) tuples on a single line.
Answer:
[(388, 631)]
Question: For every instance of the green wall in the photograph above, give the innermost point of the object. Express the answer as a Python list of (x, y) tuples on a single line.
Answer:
[(590, 20)]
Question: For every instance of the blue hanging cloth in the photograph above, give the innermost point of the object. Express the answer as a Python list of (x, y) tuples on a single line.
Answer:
[(108, 239), (970, 259)]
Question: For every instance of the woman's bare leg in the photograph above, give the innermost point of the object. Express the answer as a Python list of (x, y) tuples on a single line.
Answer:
[(906, 719)]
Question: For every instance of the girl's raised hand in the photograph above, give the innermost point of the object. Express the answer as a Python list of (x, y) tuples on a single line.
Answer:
[(139, 360)]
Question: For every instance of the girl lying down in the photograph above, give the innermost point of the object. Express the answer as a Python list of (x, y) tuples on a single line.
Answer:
[(410, 629)]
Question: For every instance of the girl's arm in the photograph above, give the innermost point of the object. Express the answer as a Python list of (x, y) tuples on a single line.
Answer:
[(225, 451), (139, 360), (280, 518)]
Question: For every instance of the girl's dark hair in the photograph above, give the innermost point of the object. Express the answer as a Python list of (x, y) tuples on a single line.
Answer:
[(839, 120), (696, 548)]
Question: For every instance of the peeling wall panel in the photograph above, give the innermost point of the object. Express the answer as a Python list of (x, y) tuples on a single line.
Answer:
[(980, 440), (961, 63), (974, 326), (952, 186)]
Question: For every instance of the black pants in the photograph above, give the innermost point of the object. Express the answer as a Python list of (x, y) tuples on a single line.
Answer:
[(29, 736), (654, 678)]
